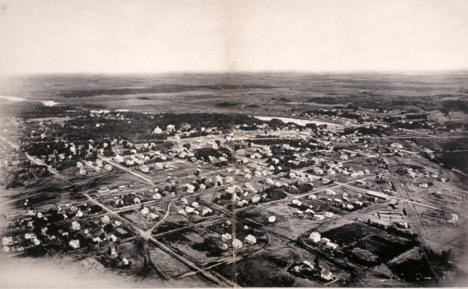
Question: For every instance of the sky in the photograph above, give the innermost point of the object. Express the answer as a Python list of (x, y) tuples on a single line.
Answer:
[(139, 36)]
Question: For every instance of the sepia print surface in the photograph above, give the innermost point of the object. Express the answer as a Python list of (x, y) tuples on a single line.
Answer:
[(233, 144)]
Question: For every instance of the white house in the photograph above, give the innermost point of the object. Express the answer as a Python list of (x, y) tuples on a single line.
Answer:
[(250, 239), (315, 237)]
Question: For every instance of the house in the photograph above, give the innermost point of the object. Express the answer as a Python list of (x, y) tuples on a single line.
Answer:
[(250, 239), (189, 209), (158, 166), (144, 169), (242, 203), (331, 246), (75, 244), (7, 241), (222, 159), (338, 201), (358, 203), (97, 240), (255, 199), (113, 252), (310, 211), (326, 275), (226, 237), (206, 211), (145, 211), (233, 189), (185, 126), (317, 171), (157, 130), (240, 152), (212, 159), (105, 219), (75, 226), (170, 128), (112, 238), (118, 202), (312, 197), (325, 241), (315, 237), (319, 217), (125, 261), (237, 244), (453, 218), (189, 188), (218, 181), (296, 202), (396, 145)]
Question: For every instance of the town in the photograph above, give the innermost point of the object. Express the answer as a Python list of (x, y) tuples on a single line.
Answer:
[(330, 197)]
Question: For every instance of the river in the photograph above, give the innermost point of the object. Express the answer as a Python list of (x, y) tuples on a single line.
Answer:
[(20, 99), (298, 121)]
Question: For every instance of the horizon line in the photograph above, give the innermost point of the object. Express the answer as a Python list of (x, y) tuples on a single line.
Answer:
[(238, 72)]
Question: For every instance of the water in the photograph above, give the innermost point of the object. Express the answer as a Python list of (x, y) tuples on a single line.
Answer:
[(301, 122), (12, 98), (49, 102), (20, 99)]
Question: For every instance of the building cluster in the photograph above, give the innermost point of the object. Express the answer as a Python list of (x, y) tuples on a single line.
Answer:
[(188, 178), (65, 228)]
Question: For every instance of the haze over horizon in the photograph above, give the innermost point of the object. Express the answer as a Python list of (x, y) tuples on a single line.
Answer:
[(123, 37)]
